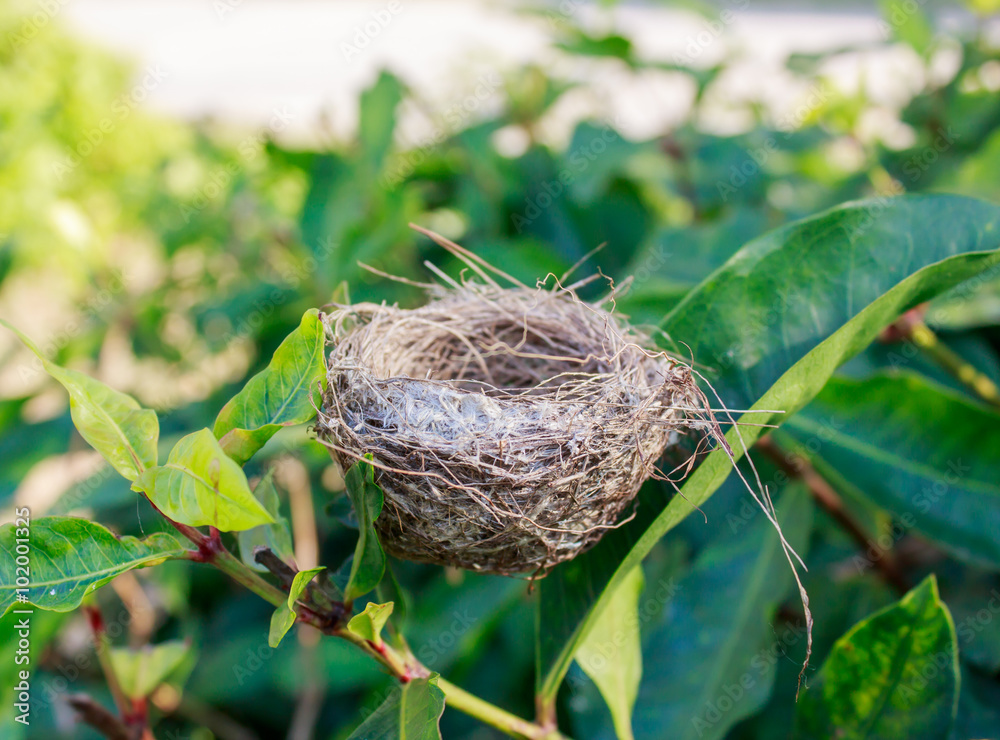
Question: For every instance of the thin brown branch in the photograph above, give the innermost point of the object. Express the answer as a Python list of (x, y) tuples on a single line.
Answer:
[(827, 497), (101, 719), (283, 571), (102, 645), (330, 619), (310, 700)]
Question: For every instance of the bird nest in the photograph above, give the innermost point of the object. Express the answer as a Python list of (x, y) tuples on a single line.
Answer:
[(510, 428)]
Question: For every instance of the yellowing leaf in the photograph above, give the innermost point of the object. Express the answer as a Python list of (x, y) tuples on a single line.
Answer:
[(369, 623), (201, 485), (113, 423)]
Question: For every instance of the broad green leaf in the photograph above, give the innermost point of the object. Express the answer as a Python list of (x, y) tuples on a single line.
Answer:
[(141, 670), (113, 423), (369, 558), (894, 675), (716, 616), (719, 622), (276, 537), (280, 395), (675, 259), (775, 322), (412, 712), (924, 453), (69, 557), (284, 616), (200, 485), (612, 653), (369, 623)]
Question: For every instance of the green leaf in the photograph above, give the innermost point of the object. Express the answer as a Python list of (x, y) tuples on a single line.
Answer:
[(200, 485), (612, 653), (412, 712), (68, 558), (369, 558), (720, 621), (281, 621), (279, 395), (276, 537), (920, 451), (299, 583), (284, 616), (776, 321), (113, 423), (141, 670), (369, 623), (894, 675), (377, 119)]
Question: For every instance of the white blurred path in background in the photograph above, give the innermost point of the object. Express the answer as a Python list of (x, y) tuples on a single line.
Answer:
[(240, 61)]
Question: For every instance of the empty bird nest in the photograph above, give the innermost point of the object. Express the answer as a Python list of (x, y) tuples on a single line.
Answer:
[(509, 427)]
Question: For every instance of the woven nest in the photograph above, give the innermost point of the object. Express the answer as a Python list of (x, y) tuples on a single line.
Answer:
[(510, 428)]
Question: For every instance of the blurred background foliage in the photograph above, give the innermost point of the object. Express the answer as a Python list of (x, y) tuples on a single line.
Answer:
[(169, 260)]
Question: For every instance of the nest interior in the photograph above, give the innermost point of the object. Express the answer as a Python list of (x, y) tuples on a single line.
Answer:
[(509, 427)]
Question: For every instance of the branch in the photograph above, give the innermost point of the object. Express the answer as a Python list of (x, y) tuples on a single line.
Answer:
[(830, 500), (103, 647), (911, 327), (403, 664), (330, 619), (93, 714), (459, 698)]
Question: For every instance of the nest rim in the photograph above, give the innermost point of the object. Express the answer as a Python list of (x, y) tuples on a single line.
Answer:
[(600, 396)]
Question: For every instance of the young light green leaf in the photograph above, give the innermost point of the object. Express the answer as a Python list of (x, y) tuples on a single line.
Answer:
[(201, 485), (299, 583), (284, 616), (67, 558), (113, 423), (280, 395), (141, 670), (369, 558), (775, 333), (276, 537), (612, 653), (893, 675), (281, 621), (412, 712), (369, 623), (921, 451)]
